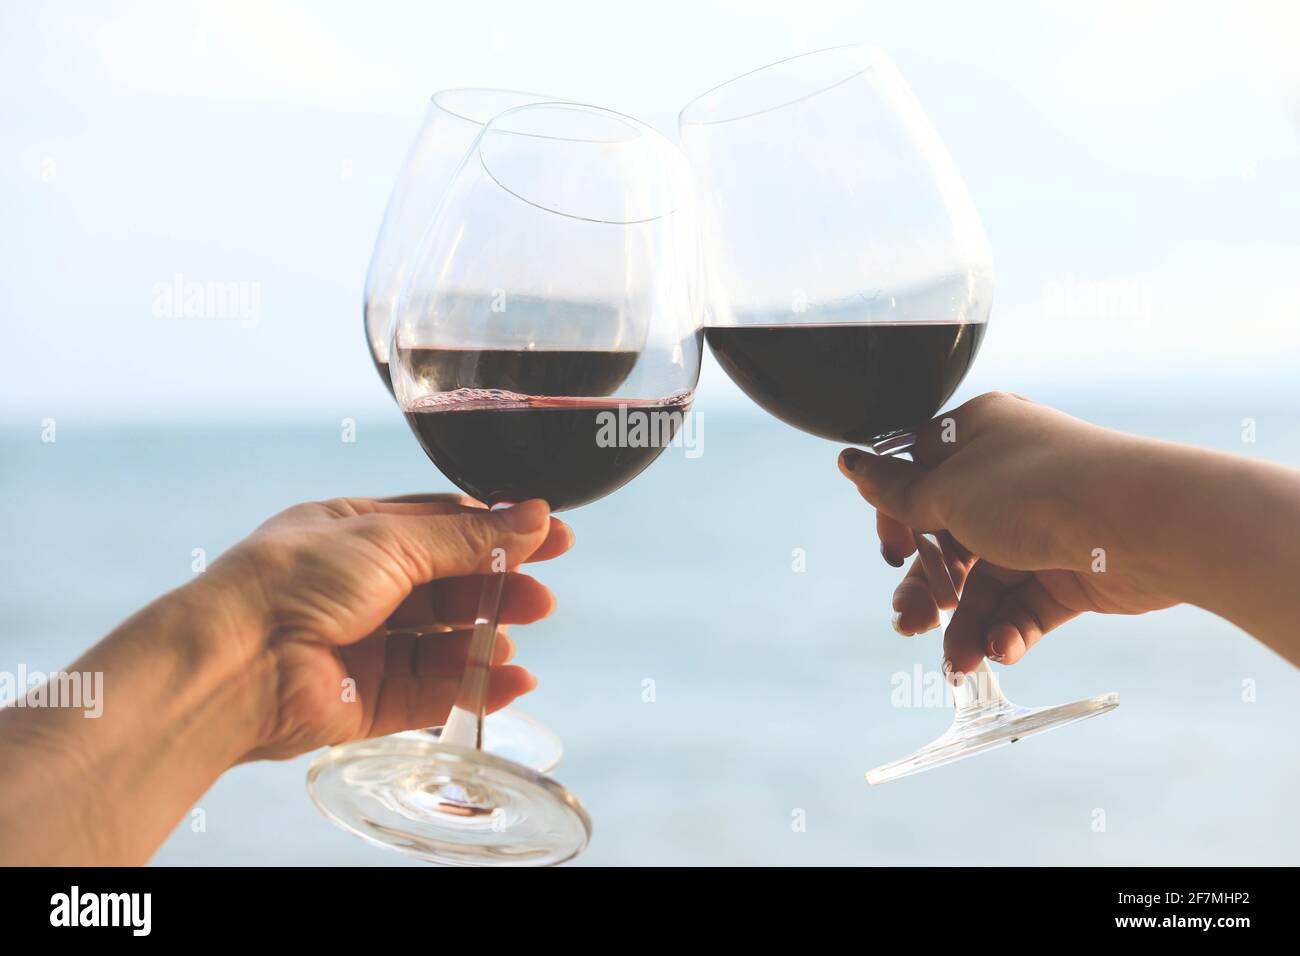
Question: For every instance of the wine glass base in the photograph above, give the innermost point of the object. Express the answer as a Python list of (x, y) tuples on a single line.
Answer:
[(983, 728), (511, 735), (447, 804)]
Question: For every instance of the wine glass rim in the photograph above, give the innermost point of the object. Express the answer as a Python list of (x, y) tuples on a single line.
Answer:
[(632, 122), (640, 127), (873, 57), (441, 98)]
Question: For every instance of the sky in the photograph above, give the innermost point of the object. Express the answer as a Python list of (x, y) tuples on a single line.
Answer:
[(1136, 166)]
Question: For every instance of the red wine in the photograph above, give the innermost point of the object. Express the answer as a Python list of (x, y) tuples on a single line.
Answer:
[(501, 446), (849, 383), (532, 372)]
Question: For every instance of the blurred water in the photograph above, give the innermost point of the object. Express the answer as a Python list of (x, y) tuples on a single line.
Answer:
[(772, 690)]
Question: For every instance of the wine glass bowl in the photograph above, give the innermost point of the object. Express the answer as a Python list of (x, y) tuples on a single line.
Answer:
[(842, 246), (506, 375)]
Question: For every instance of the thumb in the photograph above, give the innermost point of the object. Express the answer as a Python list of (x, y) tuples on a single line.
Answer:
[(473, 542), (894, 486)]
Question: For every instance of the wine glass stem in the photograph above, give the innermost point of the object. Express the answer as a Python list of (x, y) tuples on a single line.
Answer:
[(979, 690), (464, 727)]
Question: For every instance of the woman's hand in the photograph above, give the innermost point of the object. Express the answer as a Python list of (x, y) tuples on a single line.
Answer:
[(364, 609), (1039, 516)]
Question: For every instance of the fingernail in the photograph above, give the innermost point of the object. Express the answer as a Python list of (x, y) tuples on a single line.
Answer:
[(896, 622), (524, 517), (851, 458), (953, 677), (889, 559)]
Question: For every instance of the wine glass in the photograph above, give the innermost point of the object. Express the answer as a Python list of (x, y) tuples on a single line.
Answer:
[(546, 344), (452, 121), (849, 287)]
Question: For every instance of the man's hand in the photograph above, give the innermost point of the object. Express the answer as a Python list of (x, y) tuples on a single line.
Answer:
[(364, 609)]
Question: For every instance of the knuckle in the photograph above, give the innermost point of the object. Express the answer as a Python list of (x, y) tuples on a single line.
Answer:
[(291, 515), (994, 399), (286, 558), (372, 527), (340, 507), (909, 497), (927, 498), (472, 534)]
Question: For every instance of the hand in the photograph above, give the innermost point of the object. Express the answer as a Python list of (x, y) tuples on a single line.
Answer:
[(1031, 510), (381, 592)]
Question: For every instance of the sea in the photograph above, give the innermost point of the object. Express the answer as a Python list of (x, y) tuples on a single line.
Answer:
[(720, 666)]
